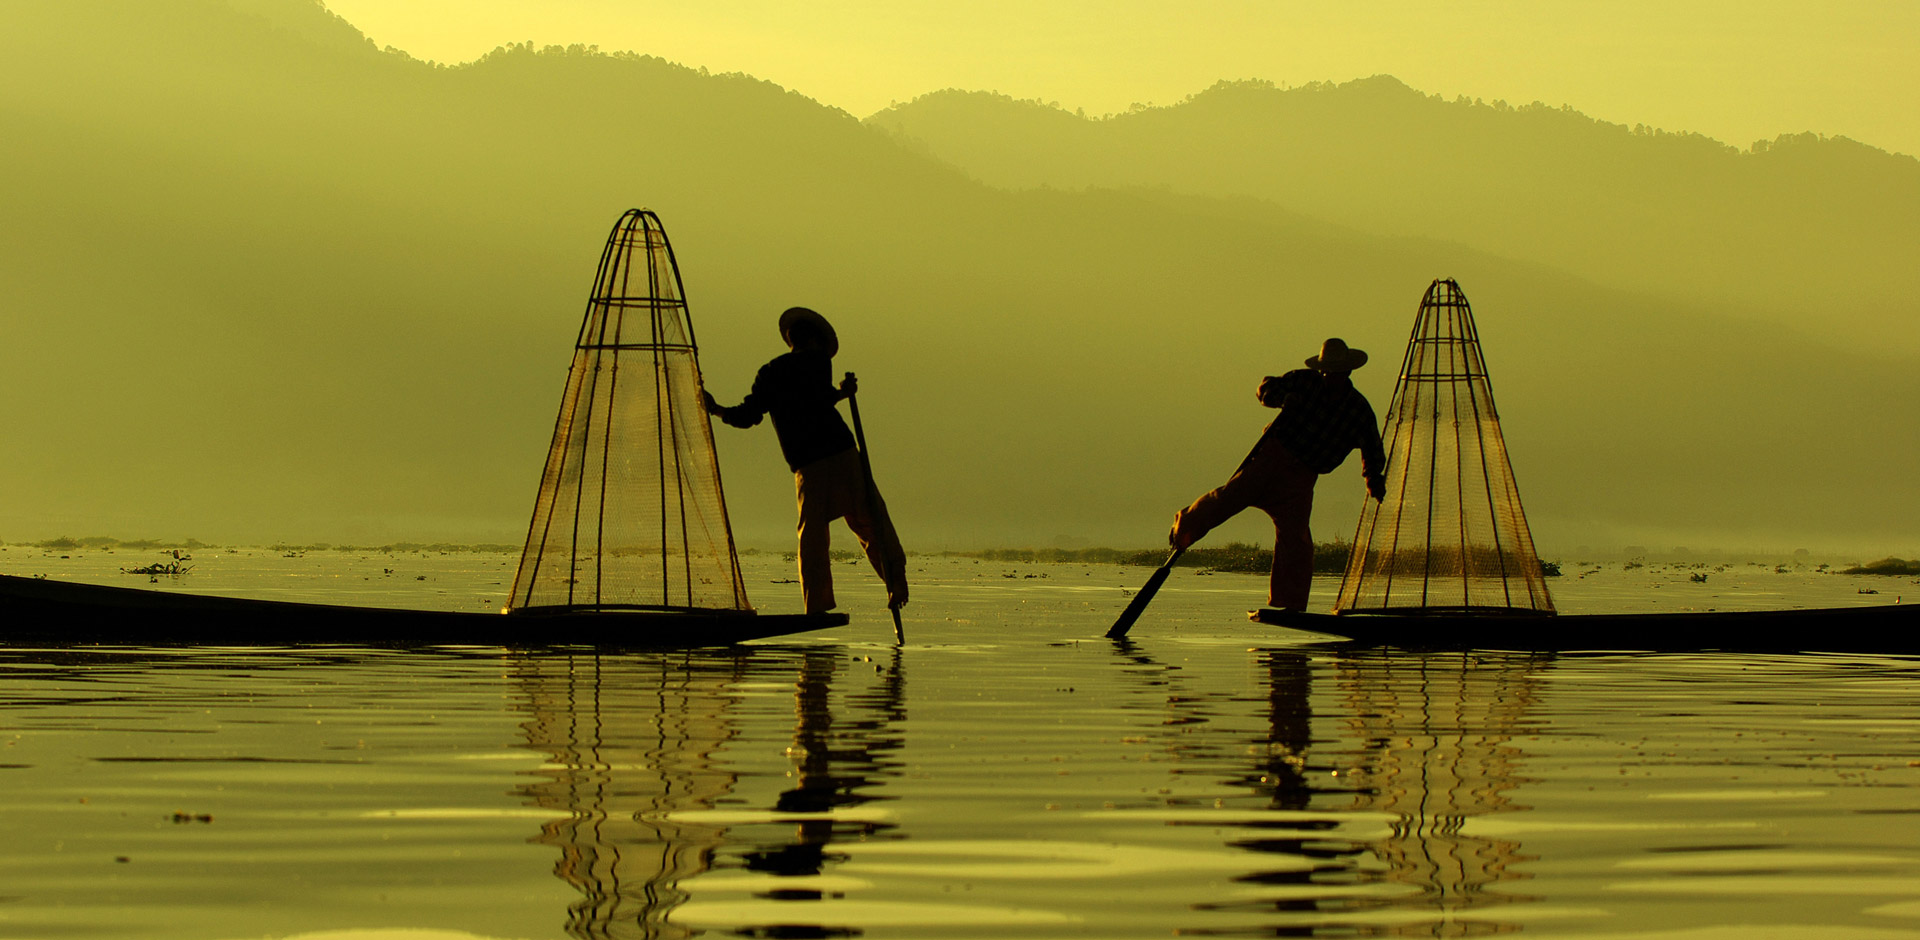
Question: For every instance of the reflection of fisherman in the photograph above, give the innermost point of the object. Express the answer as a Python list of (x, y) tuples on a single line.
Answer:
[(1322, 419), (844, 751), (797, 390)]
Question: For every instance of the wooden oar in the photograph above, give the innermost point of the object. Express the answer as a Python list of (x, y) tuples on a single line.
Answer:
[(1140, 600), (873, 507)]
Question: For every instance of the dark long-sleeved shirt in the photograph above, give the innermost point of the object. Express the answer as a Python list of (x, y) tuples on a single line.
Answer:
[(1322, 419), (797, 391)]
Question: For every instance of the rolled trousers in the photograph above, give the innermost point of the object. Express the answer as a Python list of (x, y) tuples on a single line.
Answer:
[(835, 488), (1277, 483)]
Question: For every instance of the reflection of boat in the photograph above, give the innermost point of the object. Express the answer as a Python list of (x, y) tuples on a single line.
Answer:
[(46, 611), (1879, 629)]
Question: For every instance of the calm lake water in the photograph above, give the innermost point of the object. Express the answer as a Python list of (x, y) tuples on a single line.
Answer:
[(1007, 773)]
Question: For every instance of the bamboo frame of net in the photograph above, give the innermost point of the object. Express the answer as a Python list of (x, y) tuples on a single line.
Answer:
[(631, 513), (1451, 535)]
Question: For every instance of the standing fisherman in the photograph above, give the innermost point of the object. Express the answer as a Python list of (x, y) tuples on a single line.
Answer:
[(1322, 419), (796, 389)]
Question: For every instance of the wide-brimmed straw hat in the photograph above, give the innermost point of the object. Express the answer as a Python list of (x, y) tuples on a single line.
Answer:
[(1336, 357), (810, 321)]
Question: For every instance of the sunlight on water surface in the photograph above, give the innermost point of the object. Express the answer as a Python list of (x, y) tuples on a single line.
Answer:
[(1007, 773)]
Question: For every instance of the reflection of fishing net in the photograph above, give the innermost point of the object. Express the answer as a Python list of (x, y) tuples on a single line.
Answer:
[(631, 743), (630, 512), (1450, 535), (1445, 750)]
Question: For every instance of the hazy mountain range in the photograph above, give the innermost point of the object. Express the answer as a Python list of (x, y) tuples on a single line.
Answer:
[(1785, 229), (261, 280)]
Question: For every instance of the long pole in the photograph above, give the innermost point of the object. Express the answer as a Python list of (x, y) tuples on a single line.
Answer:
[(1139, 602), (873, 509)]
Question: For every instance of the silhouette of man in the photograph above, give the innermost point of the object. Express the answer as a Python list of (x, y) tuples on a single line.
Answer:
[(1322, 419), (796, 389)]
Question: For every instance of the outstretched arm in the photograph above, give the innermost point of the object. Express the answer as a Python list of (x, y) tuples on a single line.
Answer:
[(744, 415)]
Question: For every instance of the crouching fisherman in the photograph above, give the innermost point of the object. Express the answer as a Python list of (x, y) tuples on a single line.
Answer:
[(797, 391), (1322, 419)]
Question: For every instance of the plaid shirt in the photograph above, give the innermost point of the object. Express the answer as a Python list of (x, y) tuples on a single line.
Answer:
[(1322, 419)]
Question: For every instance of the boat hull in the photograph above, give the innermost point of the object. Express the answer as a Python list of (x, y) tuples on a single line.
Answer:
[(1878, 629), (40, 611)]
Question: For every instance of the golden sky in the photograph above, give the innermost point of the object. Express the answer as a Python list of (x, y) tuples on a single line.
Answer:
[(1736, 70)]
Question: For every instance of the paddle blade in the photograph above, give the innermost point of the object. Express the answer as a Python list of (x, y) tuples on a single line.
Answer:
[(1142, 599)]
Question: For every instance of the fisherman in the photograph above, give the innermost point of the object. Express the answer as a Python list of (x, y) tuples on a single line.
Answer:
[(797, 390), (1322, 419)]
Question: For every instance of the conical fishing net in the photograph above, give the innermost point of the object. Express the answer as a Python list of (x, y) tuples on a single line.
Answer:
[(630, 512), (1450, 535)]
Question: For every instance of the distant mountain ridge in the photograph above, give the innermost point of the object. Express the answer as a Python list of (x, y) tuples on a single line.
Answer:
[(267, 283), (1799, 227)]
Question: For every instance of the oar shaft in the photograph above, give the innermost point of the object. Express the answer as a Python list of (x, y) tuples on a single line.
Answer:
[(1140, 600), (873, 511)]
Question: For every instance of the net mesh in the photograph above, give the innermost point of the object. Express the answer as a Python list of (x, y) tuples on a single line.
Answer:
[(1450, 535), (630, 512)]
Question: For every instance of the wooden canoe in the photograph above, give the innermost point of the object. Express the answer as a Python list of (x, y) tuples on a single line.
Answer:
[(1891, 628), (41, 611)]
